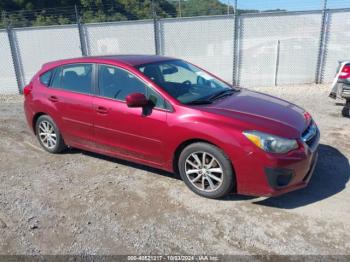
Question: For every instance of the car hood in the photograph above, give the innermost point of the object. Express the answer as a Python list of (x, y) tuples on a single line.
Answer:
[(261, 112)]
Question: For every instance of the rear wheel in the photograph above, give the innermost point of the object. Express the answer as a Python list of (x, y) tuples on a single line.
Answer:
[(49, 135), (206, 170)]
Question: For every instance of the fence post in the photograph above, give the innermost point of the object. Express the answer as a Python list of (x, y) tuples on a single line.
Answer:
[(15, 55), (155, 29), (236, 53), (3, 18), (180, 11), (322, 45), (81, 32), (277, 61)]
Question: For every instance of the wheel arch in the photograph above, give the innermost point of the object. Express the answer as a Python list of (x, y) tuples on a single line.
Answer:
[(188, 142), (35, 119), (181, 147)]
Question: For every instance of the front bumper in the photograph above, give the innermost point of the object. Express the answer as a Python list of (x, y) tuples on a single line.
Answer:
[(282, 182), (263, 174)]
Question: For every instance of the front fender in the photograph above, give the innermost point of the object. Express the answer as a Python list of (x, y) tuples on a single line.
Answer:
[(200, 128)]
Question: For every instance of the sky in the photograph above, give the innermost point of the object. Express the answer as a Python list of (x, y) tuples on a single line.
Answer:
[(292, 5)]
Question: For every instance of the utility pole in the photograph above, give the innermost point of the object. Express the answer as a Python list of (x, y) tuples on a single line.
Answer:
[(228, 7), (180, 13), (325, 4), (3, 17)]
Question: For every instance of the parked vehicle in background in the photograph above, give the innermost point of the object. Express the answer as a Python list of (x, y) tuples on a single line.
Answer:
[(169, 114), (341, 86)]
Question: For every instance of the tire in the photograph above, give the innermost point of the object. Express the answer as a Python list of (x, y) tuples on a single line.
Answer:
[(45, 127), (346, 111), (197, 177)]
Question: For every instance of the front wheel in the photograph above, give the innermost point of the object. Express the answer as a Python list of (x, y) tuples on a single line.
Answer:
[(206, 170)]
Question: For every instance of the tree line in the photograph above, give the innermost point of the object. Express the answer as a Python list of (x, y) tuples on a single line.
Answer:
[(51, 12)]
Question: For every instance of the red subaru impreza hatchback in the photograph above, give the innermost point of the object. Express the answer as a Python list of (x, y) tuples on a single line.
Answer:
[(169, 114)]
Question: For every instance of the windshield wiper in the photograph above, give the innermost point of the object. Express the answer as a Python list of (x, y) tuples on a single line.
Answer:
[(199, 102), (223, 93), (212, 98)]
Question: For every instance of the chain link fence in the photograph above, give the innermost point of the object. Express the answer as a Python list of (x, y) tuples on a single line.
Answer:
[(256, 49), (8, 83), (120, 37), (39, 45), (278, 49), (337, 42), (205, 41)]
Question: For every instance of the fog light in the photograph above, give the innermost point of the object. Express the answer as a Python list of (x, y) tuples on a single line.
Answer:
[(279, 177)]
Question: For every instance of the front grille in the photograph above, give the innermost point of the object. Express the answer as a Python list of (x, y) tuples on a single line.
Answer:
[(309, 136)]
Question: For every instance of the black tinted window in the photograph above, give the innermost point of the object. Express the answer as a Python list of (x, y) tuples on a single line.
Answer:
[(76, 78), (117, 83), (46, 77), (156, 98)]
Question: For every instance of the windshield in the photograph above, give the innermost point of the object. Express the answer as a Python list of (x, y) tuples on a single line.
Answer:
[(185, 82)]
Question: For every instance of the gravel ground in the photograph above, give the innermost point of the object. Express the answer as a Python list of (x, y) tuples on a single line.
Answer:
[(84, 203)]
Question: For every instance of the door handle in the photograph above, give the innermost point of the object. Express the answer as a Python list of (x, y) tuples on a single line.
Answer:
[(53, 98), (102, 110)]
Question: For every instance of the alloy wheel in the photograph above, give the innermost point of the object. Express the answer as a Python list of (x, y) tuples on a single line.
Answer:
[(204, 171), (47, 134)]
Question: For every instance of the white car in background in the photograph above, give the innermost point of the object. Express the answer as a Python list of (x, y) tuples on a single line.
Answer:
[(341, 86)]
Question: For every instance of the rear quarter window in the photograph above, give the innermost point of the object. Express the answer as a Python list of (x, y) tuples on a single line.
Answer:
[(45, 78)]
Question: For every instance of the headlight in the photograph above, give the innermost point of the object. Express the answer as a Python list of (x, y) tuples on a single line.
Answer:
[(271, 143)]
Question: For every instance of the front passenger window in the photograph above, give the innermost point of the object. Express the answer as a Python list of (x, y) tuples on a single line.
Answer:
[(117, 83)]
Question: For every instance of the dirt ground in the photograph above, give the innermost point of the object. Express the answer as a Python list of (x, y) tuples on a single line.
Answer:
[(84, 203)]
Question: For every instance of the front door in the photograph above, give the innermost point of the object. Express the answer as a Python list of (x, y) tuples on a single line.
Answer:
[(129, 132)]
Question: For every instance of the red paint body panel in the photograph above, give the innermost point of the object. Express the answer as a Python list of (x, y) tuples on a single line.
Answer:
[(110, 127), (126, 131)]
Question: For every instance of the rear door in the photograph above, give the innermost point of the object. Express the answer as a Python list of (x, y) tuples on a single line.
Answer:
[(71, 93), (130, 132)]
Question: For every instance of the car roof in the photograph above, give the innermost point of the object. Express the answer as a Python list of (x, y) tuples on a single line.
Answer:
[(131, 60), (135, 60)]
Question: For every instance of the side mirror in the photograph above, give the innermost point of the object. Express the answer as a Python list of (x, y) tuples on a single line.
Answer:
[(136, 100)]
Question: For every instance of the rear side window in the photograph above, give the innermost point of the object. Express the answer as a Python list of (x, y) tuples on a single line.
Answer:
[(76, 77), (46, 77)]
